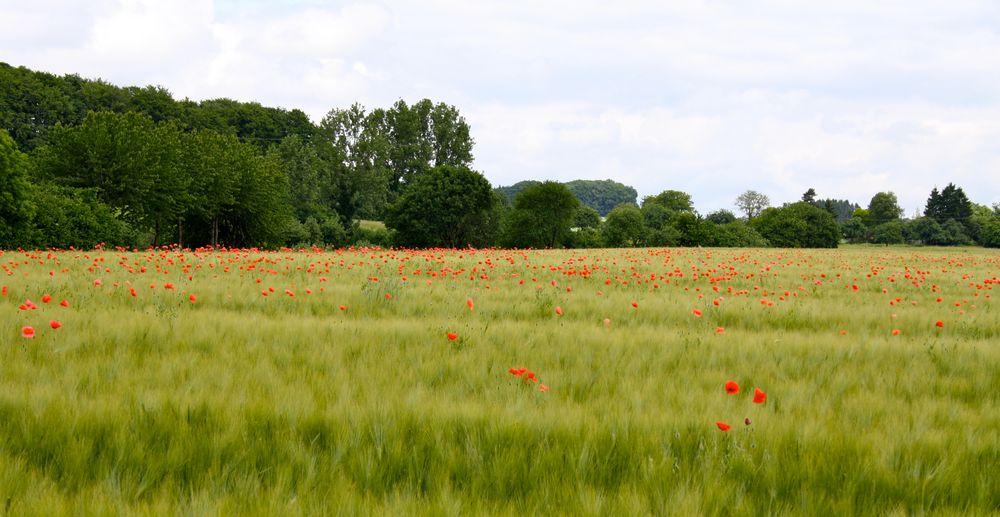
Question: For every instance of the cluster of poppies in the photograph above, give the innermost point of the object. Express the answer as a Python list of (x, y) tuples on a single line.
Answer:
[(732, 388), (28, 331), (528, 376)]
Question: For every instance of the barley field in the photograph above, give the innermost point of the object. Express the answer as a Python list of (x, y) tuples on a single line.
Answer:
[(859, 381)]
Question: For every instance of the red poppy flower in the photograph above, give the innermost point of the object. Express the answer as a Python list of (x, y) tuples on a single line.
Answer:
[(759, 396), (470, 303), (46, 298), (542, 387), (452, 336), (723, 426), (720, 330), (64, 303), (635, 305), (193, 298), (895, 332), (732, 388), (27, 332), (55, 324), (939, 324), (697, 313), (559, 311), (343, 307)]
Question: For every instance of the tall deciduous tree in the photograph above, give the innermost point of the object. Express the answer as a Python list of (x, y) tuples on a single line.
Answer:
[(673, 200), (883, 208), (130, 160), (752, 203)]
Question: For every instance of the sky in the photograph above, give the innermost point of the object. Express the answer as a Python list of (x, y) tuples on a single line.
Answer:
[(711, 97)]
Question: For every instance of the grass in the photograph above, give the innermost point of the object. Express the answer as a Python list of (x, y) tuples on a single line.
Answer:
[(241, 403)]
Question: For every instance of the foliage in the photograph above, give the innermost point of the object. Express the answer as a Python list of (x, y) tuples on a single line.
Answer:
[(624, 227), (799, 225), (841, 209), (888, 233), (586, 217), (602, 195), (721, 217), (541, 216), (736, 234), (752, 203), (673, 200), (585, 238), (442, 207), (990, 234), (16, 208), (950, 203), (511, 192), (883, 208), (855, 230), (72, 217), (129, 159)]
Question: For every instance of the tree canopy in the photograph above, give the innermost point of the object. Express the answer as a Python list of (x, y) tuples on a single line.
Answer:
[(541, 217), (444, 207)]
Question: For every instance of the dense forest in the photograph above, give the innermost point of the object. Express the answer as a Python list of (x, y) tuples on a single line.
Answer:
[(84, 162)]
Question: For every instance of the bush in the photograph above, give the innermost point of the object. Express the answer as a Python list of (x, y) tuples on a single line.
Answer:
[(75, 217), (798, 225), (624, 227)]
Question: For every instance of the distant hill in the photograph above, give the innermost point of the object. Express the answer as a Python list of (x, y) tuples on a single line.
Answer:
[(601, 195)]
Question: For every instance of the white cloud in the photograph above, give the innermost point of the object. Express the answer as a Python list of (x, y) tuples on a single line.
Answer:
[(712, 97)]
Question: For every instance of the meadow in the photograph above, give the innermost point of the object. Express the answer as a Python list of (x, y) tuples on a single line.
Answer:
[(864, 381)]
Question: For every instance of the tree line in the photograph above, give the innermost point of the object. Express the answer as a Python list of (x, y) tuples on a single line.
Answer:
[(84, 162)]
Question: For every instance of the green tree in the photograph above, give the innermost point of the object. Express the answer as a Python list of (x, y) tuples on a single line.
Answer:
[(215, 163), (721, 217), (854, 230), (888, 233), (541, 217), (673, 200), (602, 195), (75, 218), (131, 161), (511, 192), (809, 196), (16, 208), (586, 217), (841, 209), (624, 227), (990, 234), (262, 211), (950, 203), (798, 225), (737, 234), (883, 208), (356, 147), (444, 207)]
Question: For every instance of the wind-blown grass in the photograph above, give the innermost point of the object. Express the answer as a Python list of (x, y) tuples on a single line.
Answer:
[(240, 403)]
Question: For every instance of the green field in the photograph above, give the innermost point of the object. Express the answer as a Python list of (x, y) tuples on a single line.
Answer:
[(295, 382)]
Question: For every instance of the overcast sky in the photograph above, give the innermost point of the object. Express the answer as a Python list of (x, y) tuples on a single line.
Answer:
[(713, 98)]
